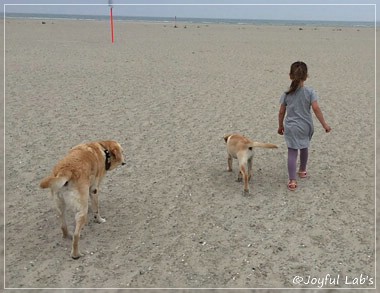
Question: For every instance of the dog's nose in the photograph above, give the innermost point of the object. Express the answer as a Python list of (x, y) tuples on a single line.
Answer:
[(123, 163)]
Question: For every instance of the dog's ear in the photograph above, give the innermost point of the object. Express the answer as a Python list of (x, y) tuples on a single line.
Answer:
[(114, 148), (116, 152)]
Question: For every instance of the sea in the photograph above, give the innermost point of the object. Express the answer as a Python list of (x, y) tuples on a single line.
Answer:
[(208, 21)]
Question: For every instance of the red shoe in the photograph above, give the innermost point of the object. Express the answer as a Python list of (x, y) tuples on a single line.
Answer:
[(292, 185), (302, 174)]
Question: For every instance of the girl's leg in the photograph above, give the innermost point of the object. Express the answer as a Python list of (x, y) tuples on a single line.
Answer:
[(292, 163), (304, 155)]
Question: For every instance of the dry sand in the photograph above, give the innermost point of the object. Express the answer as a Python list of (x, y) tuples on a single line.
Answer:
[(175, 217)]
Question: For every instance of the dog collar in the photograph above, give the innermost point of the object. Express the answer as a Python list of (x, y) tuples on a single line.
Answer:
[(108, 159)]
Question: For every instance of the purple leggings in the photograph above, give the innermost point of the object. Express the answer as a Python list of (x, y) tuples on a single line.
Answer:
[(292, 161)]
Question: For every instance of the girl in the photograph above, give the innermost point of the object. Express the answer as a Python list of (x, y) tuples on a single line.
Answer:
[(299, 128)]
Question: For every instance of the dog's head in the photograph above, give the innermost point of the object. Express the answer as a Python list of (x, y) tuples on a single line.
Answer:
[(116, 152)]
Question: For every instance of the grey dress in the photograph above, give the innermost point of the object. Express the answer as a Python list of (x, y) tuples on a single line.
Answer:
[(299, 126)]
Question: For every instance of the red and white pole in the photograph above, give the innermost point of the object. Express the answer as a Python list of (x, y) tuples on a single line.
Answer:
[(111, 18), (111, 21)]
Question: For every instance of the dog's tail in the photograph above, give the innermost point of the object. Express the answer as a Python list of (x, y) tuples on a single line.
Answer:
[(256, 144), (55, 183)]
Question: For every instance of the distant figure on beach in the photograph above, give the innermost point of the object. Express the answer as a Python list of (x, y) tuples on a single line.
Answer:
[(298, 129)]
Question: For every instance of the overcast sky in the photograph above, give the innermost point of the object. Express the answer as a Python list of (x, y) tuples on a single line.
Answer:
[(348, 10)]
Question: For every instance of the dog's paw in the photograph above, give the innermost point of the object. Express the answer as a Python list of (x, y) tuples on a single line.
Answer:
[(76, 256), (99, 219), (245, 192), (67, 236)]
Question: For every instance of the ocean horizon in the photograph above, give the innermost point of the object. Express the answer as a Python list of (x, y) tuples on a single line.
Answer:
[(205, 21)]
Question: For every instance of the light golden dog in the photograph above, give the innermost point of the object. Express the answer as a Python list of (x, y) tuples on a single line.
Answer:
[(77, 177), (241, 148)]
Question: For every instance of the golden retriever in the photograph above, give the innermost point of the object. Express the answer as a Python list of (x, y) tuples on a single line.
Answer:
[(77, 177), (241, 148)]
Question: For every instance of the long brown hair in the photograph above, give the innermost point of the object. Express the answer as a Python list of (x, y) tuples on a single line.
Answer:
[(298, 73)]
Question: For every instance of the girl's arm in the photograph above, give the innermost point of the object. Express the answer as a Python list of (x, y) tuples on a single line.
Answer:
[(319, 115), (281, 116)]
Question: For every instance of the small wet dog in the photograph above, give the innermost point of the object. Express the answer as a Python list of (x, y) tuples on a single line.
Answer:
[(77, 177), (241, 148)]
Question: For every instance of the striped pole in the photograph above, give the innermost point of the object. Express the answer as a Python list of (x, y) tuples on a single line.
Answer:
[(111, 21), (112, 32)]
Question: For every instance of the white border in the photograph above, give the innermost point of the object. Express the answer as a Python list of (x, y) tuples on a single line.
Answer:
[(201, 4)]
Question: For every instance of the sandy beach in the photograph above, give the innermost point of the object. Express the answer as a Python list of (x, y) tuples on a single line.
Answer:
[(175, 217)]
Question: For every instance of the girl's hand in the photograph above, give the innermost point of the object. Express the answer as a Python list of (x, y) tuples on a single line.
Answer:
[(327, 128), (280, 130)]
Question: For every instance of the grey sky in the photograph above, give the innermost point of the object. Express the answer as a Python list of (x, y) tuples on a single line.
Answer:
[(348, 10)]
